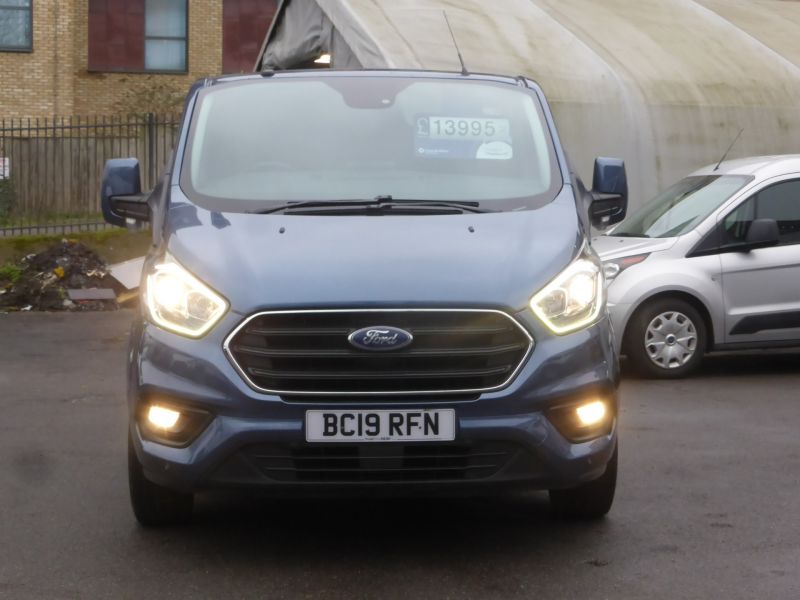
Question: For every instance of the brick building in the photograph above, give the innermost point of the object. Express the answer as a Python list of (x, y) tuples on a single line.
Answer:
[(83, 57)]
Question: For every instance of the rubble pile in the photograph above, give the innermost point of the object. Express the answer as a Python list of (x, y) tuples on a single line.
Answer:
[(45, 281)]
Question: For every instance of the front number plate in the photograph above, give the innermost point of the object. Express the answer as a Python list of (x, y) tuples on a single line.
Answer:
[(437, 425)]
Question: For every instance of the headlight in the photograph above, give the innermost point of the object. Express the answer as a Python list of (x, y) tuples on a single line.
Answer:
[(612, 268), (574, 299), (181, 303)]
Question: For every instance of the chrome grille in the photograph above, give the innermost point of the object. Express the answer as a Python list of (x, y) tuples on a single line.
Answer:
[(308, 353)]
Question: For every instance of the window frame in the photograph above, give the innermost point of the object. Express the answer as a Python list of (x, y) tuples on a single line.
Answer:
[(185, 39), (753, 196), (29, 10)]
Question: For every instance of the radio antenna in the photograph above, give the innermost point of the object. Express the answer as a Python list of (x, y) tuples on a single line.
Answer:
[(724, 156), (455, 43)]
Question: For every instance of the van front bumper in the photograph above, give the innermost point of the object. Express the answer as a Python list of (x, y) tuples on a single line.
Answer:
[(255, 440)]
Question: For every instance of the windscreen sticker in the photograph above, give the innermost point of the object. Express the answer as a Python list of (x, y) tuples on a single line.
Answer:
[(475, 138)]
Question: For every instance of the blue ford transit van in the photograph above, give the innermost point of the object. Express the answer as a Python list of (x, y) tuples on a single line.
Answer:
[(370, 282)]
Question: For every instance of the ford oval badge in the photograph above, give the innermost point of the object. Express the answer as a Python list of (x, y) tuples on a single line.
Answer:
[(380, 338)]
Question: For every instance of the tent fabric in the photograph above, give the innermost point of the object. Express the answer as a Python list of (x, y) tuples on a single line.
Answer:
[(301, 34), (665, 84)]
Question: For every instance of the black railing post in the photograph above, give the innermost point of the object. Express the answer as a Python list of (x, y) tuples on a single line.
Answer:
[(151, 150)]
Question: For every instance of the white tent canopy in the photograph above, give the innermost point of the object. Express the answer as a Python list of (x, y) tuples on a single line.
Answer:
[(665, 84)]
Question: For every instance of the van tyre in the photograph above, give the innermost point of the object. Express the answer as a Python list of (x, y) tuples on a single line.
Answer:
[(666, 339), (155, 505), (590, 500)]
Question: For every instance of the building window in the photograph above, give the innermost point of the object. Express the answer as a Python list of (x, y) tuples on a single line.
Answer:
[(16, 25), (165, 35), (138, 36), (244, 26)]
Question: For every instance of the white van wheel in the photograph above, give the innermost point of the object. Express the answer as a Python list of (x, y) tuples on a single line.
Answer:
[(666, 339)]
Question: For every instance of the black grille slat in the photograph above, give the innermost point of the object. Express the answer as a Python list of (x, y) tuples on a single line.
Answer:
[(307, 352), (293, 331), (377, 374), (379, 462), (382, 470), (341, 331), (461, 330), (434, 352), (299, 458)]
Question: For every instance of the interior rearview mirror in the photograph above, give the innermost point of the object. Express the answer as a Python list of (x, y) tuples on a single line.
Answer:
[(609, 193), (121, 196)]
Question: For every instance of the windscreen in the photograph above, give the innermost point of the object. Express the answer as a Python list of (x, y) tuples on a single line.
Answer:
[(357, 138), (682, 207)]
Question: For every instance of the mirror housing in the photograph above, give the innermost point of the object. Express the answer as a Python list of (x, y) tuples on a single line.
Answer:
[(763, 233), (121, 196), (609, 193)]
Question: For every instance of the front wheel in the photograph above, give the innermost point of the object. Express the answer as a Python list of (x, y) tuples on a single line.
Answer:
[(590, 500), (155, 505), (665, 339)]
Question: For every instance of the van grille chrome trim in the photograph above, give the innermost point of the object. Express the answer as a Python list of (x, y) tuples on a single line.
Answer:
[(306, 352)]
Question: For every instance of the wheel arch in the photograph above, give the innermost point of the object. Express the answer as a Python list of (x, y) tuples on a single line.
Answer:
[(687, 297)]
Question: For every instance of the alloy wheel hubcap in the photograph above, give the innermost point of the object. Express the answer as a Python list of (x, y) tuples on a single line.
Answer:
[(671, 340)]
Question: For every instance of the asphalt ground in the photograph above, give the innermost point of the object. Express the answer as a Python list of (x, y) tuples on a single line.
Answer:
[(708, 501)]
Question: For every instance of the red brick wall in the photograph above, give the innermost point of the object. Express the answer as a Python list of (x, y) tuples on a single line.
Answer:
[(244, 27), (116, 35)]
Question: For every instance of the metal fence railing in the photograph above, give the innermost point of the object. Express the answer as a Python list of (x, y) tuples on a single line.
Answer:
[(50, 169)]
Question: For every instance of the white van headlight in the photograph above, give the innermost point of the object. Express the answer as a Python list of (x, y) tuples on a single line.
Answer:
[(612, 268), (574, 299), (181, 303)]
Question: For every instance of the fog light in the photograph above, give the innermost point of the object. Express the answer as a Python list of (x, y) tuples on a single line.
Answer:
[(584, 420), (172, 424), (591, 413), (162, 418)]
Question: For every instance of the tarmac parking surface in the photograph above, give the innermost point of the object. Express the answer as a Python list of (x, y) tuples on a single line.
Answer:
[(708, 502)]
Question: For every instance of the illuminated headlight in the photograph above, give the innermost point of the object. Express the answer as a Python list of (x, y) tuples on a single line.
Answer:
[(574, 299), (181, 303)]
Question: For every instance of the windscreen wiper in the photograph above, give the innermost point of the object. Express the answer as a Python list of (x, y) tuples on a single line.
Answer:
[(379, 202), (469, 206), (313, 204)]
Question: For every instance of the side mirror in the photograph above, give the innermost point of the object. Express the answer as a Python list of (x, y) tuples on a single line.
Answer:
[(121, 196), (763, 233), (609, 193)]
